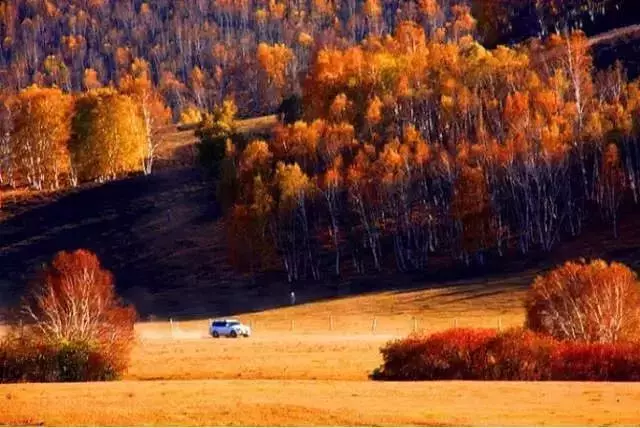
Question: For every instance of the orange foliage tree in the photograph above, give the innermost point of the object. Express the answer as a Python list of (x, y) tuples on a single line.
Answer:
[(593, 302), (41, 128), (249, 235), (471, 208), (426, 142), (275, 61), (292, 224), (74, 301), (421, 141), (154, 112)]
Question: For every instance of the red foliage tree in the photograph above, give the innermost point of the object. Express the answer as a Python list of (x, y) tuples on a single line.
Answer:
[(74, 301)]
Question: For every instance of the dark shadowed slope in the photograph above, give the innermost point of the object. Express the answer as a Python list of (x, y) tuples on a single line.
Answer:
[(163, 239), (161, 236), (156, 234)]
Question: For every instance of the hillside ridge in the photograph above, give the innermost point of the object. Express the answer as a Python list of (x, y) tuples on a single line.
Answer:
[(163, 238)]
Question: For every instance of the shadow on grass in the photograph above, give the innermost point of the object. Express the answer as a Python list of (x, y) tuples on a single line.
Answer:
[(161, 237)]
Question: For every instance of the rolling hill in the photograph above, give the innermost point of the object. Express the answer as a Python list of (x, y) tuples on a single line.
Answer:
[(163, 238)]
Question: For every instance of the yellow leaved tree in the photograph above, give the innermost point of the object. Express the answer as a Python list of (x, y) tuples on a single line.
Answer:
[(40, 135), (110, 136)]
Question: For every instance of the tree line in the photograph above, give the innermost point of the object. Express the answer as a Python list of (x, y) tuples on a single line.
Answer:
[(52, 139), (424, 145), (201, 52)]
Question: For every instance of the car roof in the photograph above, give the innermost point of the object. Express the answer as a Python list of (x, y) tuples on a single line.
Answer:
[(226, 320)]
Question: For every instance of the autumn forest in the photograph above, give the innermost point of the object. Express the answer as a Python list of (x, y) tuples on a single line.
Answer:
[(410, 130)]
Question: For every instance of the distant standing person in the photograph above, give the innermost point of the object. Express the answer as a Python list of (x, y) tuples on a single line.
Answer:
[(292, 298)]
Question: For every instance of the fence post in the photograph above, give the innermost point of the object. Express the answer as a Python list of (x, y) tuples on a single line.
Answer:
[(415, 324), (331, 322), (292, 325), (455, 323), (499, 323), (373, 325), (171, 323)]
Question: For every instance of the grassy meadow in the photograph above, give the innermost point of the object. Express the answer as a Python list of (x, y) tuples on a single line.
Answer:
[(316, 374)]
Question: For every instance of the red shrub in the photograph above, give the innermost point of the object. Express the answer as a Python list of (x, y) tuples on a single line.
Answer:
[(446, 355), (596, 362), (514, 355), (74, 301), (517, 355), (76, 326)]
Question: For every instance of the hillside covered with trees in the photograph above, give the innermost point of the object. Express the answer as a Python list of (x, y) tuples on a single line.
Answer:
[(413, 133), (200, 52), (424, 144), (122, 70)]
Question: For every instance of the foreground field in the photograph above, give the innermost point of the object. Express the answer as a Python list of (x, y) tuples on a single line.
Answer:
[(320, 403), (316, 374), (336, 339), (290, 357)]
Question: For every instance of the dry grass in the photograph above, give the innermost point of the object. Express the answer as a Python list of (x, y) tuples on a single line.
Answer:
[(256, 125), (316, 375), (466, 303), (265, 356), (313, 350), (259, 403)]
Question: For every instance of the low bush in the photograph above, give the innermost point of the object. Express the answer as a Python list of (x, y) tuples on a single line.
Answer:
[(618, 362), (25, 360), (516, 355), (470, 354), (446, 355)]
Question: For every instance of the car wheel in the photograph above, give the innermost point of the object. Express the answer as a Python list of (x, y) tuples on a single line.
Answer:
[(233, 334), (215, 334)]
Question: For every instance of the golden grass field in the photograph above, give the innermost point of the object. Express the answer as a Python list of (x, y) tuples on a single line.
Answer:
[(283, 402), (307, 364), (316, 375)]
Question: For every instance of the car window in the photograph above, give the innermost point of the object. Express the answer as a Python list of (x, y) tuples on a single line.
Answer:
[(218, 324), (232, 323)]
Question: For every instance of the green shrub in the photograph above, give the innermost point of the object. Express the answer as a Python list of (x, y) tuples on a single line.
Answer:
[(24, 360), (78, 362)]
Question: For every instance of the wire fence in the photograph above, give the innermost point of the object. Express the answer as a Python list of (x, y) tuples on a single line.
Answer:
[(397, 325)]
